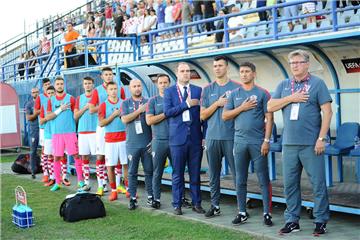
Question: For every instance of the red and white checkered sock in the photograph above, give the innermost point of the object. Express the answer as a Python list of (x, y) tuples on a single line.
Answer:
[(86, 170), (44, 163), (64, 168), (51, 167), (98, 173), (118, 175)]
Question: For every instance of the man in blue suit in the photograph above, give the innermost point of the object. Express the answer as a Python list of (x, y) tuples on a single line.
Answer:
[(182, 109)]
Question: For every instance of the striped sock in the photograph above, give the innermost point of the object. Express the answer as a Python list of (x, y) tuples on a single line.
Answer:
[(43, 164), (51, 166), (98, 173), (118, 175), (64, 167), (86, 170), (103, 172)]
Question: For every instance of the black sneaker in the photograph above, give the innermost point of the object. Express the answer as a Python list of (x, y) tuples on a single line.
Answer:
[(239, 219), (149, 201), (33, 176), (290, 227), (177, 211), (267, 220), (320, 228), (156, 204), (133, 204), (186, 203), (213, 212)]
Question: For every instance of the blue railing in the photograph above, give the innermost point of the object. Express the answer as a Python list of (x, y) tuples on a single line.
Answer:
[(108, 49)]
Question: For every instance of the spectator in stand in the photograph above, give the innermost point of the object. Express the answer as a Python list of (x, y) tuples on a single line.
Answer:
[(70, 49), (262, 14), (119, 23), (169, 19), (108, 17), (160, 13), (102, 24), (150, 22), (198, 14), (39, 50), (186, 14), (291, 11), (91, 31), (132, 25), (176, 12), (141, 13), (32, 63), (235, 35), (21, 66), (229, 4), (45, 46), (209, 12), (220, 25)]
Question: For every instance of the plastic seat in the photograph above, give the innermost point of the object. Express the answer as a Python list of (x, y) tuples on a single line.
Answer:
[(343, 144), (356, 154), (275, 146)]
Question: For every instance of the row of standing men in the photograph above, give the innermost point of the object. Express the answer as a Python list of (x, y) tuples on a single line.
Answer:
[(239, 120)]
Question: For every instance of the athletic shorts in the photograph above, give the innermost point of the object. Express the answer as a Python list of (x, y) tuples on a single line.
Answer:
[(48, 149), (108, 22), (41, 136), (87, 143), (100, 140), (115, 152), (65, 142)]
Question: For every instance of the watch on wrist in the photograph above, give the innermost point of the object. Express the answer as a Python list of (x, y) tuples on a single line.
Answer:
[(323, 139), (266, 140)]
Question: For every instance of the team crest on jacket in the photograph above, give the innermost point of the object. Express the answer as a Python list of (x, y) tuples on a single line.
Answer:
[(130, 157)]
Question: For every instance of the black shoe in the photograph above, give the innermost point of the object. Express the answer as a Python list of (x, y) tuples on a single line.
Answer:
[(33, 176), (186, 203), (213, 212), (133, 204), (290, 227), (320, 228), (177, 211), (156, 204), (267, 220), (239, 219), (149, 201), (198, 209)]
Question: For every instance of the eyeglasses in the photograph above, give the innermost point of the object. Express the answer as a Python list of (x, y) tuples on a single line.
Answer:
[(297, 63), (34, 92)]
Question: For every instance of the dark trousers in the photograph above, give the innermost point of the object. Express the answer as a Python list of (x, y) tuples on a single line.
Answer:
[(191, 155), (34, 143)]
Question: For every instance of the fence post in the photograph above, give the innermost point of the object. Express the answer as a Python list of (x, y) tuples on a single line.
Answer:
[(226, 32), (87, 53), (334, 16), (275, 24), (186, 47)]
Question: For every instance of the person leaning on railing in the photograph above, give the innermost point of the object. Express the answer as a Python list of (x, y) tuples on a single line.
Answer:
[(70, 49)]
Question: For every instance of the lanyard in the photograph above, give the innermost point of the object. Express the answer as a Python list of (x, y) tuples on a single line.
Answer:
[(134, 105), (306, 86), (179, 92)]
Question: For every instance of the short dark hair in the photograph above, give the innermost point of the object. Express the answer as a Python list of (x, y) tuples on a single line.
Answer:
[(218, 58), (105, 69), (111, 83), (249, 65), (162, 75), (45, 80), (88, 79), (59, 78), (50, 88)]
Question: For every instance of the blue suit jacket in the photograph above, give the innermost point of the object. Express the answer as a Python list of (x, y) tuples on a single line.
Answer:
[(173, 109)]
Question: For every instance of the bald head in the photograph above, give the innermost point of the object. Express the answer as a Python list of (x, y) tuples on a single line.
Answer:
[(34, 92), (135, 88)]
